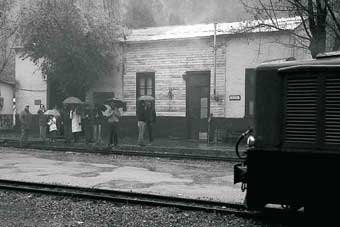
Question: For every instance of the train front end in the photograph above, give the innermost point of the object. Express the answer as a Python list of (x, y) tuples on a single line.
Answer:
[(294, 149)]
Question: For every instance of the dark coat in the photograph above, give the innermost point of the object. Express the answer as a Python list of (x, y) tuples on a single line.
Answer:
[(145, 113), (25, 119), (42, 118), (97, 115), (150, 114), (140, 112)]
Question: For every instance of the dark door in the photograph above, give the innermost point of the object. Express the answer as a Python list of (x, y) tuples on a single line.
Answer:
[(198, 103)]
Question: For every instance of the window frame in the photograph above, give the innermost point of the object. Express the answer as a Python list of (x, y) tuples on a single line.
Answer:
[(144, 76)]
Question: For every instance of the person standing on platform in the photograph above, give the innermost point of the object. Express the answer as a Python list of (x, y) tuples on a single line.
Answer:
[(75, 123), (25, 120), (42, 118), (66, 122), (97, 123), (113, 120), (141, 121), (150, 118), (53, 128), (87, 123)]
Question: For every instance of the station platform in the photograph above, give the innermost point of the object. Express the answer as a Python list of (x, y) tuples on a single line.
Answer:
[(198, 179), (128, 145)]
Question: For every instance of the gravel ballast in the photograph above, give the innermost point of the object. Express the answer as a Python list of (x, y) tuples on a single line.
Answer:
[(26, 209)]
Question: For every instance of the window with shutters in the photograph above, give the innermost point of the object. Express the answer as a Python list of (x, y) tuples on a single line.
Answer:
[(145, 84)]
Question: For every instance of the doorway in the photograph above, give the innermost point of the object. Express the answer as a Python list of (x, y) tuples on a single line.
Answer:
[(198, 103)]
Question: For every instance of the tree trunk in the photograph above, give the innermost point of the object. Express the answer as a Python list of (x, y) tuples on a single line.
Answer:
[(318, 42), (336, 45), (317, 14)]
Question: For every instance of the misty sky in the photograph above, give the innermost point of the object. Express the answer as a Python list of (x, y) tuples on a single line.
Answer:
[(202, 11), (145, 13)]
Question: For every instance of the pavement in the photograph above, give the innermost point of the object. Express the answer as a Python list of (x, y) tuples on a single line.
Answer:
[(210, 180), (198, 179)]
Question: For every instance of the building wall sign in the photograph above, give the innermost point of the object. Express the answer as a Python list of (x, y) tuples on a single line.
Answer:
[(37, 102), (234, 97)]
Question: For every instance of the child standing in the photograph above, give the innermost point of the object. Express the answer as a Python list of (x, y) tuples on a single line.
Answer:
[(52, 127)]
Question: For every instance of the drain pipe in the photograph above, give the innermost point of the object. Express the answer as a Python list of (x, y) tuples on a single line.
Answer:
[(215, 60)]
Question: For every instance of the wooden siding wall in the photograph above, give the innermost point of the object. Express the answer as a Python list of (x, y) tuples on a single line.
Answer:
[(7, 92), (30, 84), (170, 60), (248, 51)]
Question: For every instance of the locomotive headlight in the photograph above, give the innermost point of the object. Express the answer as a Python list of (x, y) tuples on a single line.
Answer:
[(251, 141)]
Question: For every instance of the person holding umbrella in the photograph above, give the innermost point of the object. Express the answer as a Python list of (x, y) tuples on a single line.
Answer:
[(113, 116), (150, 118), (113, 120), (146, 116), (66, 122), (141, 119), (73, 102), (75, 123), (52, 123), (48, 113)]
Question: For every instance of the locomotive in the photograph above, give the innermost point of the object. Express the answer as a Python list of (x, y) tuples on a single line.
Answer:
[(293, 154)]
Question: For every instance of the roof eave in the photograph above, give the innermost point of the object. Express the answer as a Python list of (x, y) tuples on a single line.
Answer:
[(203, 37)]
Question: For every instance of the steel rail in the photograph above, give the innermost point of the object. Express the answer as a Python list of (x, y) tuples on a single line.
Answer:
[(12, 143), (148, 199), (125, 197)]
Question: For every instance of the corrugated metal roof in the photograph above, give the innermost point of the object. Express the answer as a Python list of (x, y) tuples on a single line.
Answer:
[(205, 30)]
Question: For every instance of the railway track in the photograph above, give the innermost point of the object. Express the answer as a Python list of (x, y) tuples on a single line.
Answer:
[(124, 197), (120, 151), (144, 199)]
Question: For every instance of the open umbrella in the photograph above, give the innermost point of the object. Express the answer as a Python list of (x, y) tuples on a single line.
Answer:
[(72, 100), (146, 98), (118, 102), (108, 111), (53, 112)]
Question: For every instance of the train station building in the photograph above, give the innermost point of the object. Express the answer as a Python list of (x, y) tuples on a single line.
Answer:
[(200, 75)]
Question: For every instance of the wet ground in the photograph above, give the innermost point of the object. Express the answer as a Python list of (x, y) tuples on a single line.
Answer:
[(183, 178)]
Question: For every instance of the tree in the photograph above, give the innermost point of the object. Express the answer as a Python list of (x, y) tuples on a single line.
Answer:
[(320, 19), (139, 14), (74, 47), (8, 28)]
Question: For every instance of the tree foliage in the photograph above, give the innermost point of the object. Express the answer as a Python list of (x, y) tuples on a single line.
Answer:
[(139, 14), (72, 47), (8, 28), (320, 19)]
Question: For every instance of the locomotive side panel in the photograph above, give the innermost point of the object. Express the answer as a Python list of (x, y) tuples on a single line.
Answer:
[(268, 108), (311, 108)]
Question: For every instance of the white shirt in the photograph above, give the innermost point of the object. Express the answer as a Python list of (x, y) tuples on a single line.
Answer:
[(53, 124), (76, 121)]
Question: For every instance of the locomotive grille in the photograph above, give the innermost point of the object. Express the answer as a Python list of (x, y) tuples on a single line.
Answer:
[(301, 110), (332, 111)]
